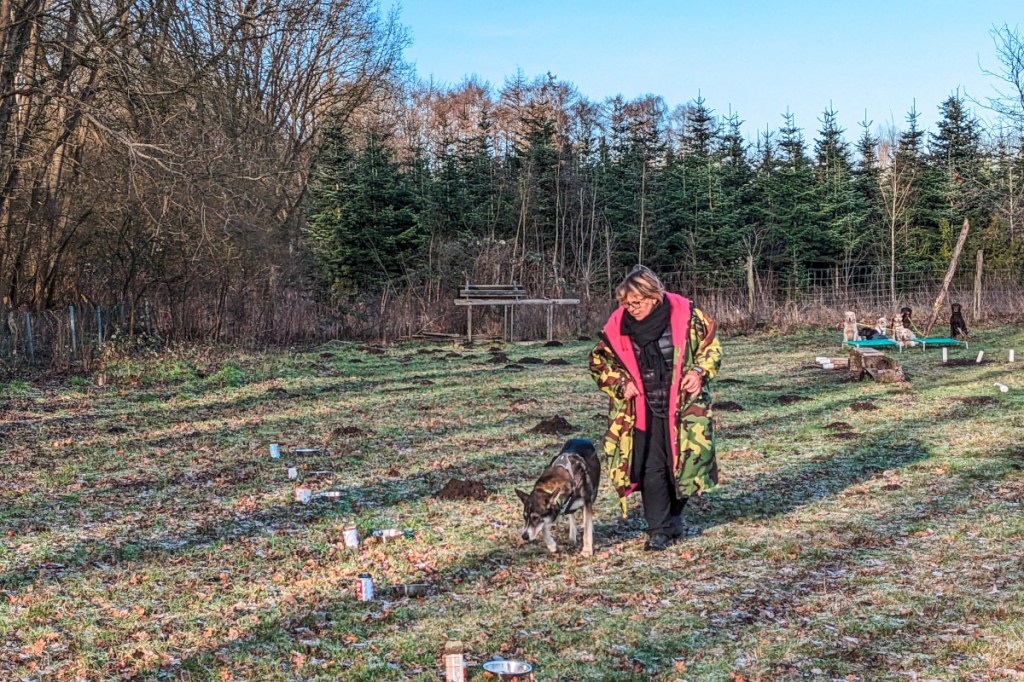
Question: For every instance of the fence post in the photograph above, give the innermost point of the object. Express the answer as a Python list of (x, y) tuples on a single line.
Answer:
[(99, 325), (31, 343), (750, 285), (74, 333), (551, 315), (145, 308), (977, 286)]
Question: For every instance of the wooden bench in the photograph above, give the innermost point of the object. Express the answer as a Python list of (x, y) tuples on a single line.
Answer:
[(507, 296)]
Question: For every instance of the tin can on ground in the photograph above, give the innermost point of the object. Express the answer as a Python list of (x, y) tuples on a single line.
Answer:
[(303, 495), (351, 536), (454, 663), (293, 473), (275, 451), (364, 587)]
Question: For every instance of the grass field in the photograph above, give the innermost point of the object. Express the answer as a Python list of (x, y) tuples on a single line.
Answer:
[(862, 532)]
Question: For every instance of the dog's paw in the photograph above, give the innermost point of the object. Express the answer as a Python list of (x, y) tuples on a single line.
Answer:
[(553, 548)]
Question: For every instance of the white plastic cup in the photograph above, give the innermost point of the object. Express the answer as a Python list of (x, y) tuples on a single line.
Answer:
[(1002, 387), (945, 355), (275, 451), (981, 354), (351, 536), (1012, 358), (303, 495), (293, 473)]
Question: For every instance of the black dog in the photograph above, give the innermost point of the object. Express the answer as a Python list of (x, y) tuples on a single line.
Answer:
[(568, 483), (957, 323), (905, 313)]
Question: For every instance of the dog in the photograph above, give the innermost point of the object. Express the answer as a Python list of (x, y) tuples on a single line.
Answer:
[(902, 333), (905, 313), (569, 483), (882, 326), (957, 323), (850, 330)]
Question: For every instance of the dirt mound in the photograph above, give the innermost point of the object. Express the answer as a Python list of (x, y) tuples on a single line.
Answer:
[(456, 489), (842, 435), (727, 406), (494, 349), (863, 407), (452, 354), (327, 354), (555, 425), (838, 426), (978, 400), (789, 399), (498, 359), (552, 344), (525, 401), (558, 361), (346, 431), (964, 362), (530, 361), (514, 366), (583, 338), (422, 382)]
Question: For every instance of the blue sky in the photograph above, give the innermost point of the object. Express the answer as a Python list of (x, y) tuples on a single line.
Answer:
[(759, 58)]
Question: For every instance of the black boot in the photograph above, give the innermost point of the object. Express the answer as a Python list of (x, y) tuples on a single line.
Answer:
[(657, 542)]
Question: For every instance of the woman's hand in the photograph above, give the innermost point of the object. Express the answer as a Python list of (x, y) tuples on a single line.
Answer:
[(630, 391), (691, 382)]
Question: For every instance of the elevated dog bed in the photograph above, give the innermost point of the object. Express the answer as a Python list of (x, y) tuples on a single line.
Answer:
[(940, 342), (875, 343)]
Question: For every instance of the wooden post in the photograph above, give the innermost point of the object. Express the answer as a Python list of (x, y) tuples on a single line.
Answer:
[(949, 277), (74, 332), (512, 323), (750, 285), (31, 343), (99, 325), (149, 325), (977, 286), (551, 315), (469, 325)]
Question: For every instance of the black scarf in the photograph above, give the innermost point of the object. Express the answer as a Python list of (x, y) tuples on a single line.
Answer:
[(645, 334)]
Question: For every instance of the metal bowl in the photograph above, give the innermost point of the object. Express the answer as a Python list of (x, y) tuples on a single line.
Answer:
[(508, 667)]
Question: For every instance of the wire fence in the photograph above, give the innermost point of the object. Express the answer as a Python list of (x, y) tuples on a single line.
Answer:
[(80, 335)]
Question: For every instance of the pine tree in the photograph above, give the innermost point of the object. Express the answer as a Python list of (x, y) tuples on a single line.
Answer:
[(842, 211), (362, 225)]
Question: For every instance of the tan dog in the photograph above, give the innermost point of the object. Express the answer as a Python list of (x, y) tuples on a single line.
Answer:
[(850, 330), (901, 333), (882, 326)]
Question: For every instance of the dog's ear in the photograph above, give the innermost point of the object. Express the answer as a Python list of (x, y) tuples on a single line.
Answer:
[(522, 496)]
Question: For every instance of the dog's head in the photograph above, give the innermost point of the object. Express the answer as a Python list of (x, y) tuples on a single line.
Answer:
[(956, 308), (850, 316), (882, 323), (905, 312), (539, 507)]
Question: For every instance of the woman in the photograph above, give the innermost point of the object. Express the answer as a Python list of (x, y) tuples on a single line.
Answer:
[(654, 359)]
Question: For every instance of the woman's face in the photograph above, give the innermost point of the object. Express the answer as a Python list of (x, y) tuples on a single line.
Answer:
[(639, 306)]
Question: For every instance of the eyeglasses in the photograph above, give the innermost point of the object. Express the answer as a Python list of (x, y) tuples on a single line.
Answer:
[(633, 305)]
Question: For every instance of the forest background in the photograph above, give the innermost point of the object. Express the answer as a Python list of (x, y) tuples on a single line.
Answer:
[(260, 172)]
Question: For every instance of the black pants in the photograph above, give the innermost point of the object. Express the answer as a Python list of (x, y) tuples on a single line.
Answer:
[(652, 469)]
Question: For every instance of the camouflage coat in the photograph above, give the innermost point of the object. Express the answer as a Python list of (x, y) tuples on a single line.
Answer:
[(613, 363)]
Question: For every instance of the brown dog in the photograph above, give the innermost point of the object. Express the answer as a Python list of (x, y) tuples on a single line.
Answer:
[(957, 323)]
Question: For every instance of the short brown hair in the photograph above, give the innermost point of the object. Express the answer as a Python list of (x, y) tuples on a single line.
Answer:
[(641, 281)]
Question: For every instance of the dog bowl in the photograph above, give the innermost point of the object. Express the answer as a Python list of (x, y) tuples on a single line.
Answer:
[(508, 668)]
